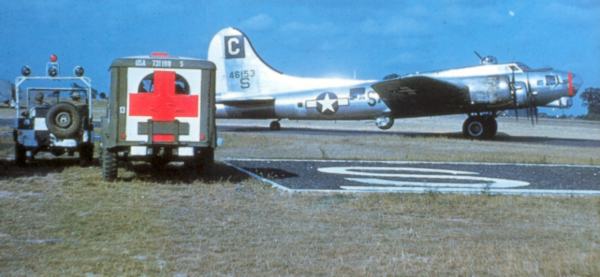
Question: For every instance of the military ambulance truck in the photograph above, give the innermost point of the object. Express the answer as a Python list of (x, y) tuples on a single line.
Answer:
[(161, 109)]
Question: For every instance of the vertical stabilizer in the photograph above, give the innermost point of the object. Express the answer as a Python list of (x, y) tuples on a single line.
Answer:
[(241, 70)]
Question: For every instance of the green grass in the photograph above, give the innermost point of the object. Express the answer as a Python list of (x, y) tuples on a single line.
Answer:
[(67, 221), (410, 148), (58, 219)]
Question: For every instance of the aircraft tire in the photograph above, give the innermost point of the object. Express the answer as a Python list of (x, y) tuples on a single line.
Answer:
[(63, 120), (109, 165), (384, 122), (474, 127), (491, 127), (20, 154), (275, 126)]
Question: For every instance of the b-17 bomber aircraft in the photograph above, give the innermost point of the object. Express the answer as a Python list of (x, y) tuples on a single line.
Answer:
[(248, 88)]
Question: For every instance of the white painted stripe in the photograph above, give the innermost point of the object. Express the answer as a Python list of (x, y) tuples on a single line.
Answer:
[(485, 182), (407, 162), (371, 189), (368, 171), (471, 190), (260, 178), (482, 182)]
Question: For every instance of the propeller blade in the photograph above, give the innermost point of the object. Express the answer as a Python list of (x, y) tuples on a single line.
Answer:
[(531, 109), (513, 93), (532, 116)]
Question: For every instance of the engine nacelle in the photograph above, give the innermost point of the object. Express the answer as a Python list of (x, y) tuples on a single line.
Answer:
[(489, 90), (562, 103)]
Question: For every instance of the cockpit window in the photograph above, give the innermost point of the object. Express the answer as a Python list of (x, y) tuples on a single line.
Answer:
[(181, 85), (550, 80)]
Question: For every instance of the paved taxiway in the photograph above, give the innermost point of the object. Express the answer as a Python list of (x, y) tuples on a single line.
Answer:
[(421, 177)]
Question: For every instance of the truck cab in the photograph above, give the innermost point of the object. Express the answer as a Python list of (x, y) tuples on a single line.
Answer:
[(161, 108)]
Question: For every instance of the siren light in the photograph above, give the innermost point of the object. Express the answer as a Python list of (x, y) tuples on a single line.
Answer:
[(52, 71), (25, 71), (78, 71)]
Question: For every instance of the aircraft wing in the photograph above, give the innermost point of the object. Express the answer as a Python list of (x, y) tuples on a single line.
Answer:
[(422, 95)]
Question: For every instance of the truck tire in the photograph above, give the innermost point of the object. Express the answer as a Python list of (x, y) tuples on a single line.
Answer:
[(20, 154), (63, 120), (205, 160), (208, 155), (109, 165), (86, 154)]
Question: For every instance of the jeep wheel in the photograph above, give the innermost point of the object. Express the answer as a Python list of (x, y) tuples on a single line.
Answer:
[(63, 120), (20, 154), (109, 165), (86, 154)]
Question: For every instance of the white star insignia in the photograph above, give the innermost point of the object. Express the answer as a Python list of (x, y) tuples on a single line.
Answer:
[(327, 103)]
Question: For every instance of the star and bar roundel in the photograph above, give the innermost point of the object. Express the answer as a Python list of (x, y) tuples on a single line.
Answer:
[(161, 105), (327, 103)]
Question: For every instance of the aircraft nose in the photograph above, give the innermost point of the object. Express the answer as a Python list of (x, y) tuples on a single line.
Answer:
[(575, 83)]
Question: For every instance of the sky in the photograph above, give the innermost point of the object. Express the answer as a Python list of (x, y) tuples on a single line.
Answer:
[(369, 39)]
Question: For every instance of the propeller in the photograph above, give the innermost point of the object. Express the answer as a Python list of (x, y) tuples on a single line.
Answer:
[(532, 110), (513, 92)]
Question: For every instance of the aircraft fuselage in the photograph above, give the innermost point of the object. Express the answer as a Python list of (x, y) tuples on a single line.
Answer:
[(355, 102)]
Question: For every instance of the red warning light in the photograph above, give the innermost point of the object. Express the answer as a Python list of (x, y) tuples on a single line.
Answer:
[(159, 54), (53, 58)]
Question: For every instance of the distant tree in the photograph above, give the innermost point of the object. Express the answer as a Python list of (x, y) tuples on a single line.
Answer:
[(591, 99)]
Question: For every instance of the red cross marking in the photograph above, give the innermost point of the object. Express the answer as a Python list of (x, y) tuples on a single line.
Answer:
[(163, 104)]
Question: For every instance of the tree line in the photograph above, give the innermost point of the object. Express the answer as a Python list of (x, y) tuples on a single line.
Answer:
[(591, 100)]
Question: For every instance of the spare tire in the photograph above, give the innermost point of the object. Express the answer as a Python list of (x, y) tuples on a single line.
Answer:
[(63, 120)]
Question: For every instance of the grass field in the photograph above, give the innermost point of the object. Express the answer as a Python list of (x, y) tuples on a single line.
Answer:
[(66, 221), (58, 219)]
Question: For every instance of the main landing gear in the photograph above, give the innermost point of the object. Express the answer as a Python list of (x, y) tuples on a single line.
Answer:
[(275, 126), (480, 126), (384, 122)]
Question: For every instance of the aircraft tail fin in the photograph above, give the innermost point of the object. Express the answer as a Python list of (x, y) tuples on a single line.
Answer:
[(239, 67), (241, 70)]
